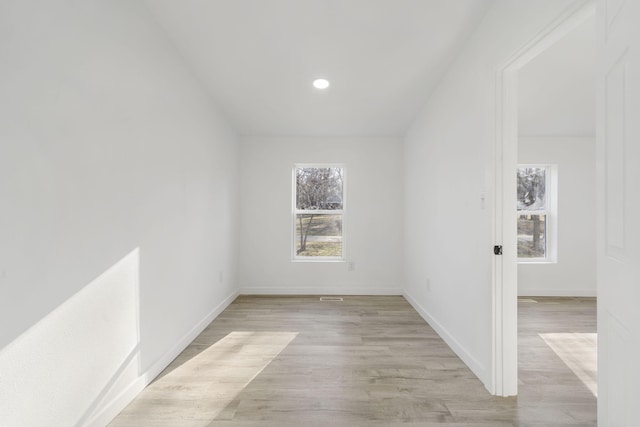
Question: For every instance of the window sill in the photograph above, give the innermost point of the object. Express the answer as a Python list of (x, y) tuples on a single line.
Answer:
[(538, 261)]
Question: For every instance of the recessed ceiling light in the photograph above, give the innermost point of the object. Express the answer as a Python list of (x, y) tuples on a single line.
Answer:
[(321, 83)]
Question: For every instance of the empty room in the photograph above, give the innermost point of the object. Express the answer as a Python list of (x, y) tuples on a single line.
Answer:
[(319, 212)]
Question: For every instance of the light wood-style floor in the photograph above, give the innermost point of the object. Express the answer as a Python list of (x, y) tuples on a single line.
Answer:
[(365, 361)]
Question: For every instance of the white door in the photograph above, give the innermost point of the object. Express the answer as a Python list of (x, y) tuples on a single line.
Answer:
[(618, 85)]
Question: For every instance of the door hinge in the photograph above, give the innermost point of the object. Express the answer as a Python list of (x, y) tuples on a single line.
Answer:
[(497, 250)]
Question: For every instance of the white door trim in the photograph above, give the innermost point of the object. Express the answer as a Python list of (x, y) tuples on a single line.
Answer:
[(505, 269)]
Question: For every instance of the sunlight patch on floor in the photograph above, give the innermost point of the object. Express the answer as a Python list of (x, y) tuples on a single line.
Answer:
[(579, 351), (204, 387)]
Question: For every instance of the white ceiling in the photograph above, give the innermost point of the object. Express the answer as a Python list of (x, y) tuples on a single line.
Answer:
[(258, 58), (557, 88)]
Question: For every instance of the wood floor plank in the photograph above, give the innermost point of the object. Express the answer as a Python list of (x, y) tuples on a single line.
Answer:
[(365, 361)]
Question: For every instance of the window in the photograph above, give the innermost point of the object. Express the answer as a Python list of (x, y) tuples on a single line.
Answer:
[(318, 212), (537, 217)]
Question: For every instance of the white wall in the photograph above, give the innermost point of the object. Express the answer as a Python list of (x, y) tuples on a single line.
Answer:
[(574, 273), (118, 204), (448, 167), (556, 90), (373, 217)]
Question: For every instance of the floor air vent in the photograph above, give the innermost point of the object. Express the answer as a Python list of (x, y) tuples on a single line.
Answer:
[(331, 299)]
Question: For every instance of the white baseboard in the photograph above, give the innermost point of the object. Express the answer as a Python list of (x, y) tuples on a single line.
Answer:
[(557, 293), (476, 367), (328, 290), (187, 339), (111, 409)]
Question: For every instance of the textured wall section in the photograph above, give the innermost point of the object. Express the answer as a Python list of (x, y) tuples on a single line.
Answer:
[(108, 145)]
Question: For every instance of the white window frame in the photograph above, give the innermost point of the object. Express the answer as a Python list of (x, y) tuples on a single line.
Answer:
[(294, 212), (551, 212)]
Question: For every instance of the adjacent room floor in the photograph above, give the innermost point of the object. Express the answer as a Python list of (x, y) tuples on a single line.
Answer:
[(367, 361)]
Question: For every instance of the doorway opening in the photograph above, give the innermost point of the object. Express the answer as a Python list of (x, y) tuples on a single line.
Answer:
[(506, 270), (556, 186)]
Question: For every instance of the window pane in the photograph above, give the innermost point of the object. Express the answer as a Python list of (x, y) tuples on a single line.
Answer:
[(319, 235), (319, 188), (531, 189), (532, 232)]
